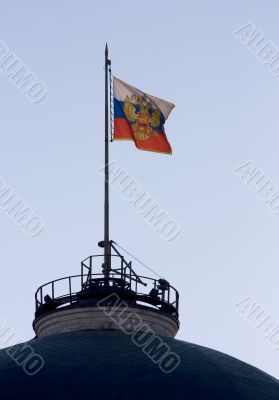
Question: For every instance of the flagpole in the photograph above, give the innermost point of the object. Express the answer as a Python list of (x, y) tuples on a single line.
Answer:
[(107, 249)]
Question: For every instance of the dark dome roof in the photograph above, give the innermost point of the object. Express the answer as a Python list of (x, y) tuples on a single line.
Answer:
[(108, 365)]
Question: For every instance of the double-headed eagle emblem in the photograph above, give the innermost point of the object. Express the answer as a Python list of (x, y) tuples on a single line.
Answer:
[(144, 117)]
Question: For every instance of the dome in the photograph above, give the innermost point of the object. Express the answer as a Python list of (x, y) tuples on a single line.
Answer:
[(110, 337), (107, 364)]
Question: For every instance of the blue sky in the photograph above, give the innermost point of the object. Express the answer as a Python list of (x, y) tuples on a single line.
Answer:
[(226, 114)]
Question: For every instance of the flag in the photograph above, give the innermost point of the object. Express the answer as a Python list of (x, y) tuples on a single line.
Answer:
[(140, 117)]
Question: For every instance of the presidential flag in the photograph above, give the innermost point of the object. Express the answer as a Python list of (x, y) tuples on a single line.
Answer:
[(140, 117)]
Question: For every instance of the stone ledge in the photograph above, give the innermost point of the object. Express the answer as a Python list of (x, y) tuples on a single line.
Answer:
[(105, 318)]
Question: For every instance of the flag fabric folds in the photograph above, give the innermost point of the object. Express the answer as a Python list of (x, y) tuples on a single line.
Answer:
[(140, 117)]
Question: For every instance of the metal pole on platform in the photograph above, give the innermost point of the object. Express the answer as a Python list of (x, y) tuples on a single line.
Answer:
[(107, 249)]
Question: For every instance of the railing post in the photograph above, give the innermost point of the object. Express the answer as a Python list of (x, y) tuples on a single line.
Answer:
[(121, 266), (90, 267), (70, 287)]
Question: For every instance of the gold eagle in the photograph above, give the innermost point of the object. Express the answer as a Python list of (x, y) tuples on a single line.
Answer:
[(143, 121)]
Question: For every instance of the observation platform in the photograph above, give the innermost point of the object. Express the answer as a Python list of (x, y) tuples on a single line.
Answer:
[(95, 300)]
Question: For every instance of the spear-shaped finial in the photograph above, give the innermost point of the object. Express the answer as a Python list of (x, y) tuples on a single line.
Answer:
[(107, 61)]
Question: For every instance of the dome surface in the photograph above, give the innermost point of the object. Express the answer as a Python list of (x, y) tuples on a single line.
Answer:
[(108, 365)]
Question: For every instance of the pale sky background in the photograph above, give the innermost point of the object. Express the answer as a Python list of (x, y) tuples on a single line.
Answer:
[(226, 114)]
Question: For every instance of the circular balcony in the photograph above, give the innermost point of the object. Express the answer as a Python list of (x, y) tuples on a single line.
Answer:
[(89, 288)]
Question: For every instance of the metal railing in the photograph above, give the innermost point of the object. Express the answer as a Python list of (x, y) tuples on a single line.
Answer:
[(138, 290)]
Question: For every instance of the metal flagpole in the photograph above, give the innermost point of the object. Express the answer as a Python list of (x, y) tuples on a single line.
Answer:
[(107, 249)]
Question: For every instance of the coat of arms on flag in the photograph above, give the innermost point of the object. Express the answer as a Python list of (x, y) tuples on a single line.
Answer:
[(140, 117)]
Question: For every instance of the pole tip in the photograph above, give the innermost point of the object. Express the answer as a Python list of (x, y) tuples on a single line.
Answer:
[(106, 50)]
